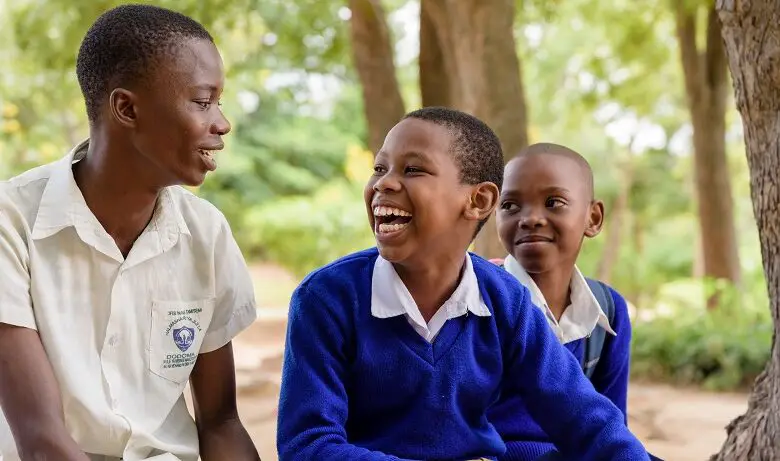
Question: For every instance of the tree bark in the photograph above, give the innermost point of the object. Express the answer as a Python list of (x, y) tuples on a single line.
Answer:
[(479, 55), (706, 85), (433, 64), (372, 50), (751, 31)]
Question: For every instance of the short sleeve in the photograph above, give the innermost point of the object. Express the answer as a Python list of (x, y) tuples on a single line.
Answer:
[(235, 308), (15, 301)]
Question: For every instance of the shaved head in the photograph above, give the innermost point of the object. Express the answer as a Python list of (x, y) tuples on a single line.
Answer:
[(546, 148)]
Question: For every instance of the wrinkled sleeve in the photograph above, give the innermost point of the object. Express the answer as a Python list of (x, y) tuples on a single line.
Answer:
[(235, 307), (15, 301), (313, 405), (582, 423)]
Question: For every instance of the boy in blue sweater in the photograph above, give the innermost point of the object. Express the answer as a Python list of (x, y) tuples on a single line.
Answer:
[(546, 209), (398, 352)]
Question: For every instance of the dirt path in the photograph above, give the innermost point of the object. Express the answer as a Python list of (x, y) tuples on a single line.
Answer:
[(675, 424)]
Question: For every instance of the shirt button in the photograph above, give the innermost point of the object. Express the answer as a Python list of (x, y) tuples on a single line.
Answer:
[(113, 340)]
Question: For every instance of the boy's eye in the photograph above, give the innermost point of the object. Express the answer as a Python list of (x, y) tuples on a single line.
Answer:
[(413, 170), (509, 206), (379, 169), (203, 104), (554, 202)]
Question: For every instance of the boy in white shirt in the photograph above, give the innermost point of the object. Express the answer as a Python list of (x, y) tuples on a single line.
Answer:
[(546, 209), (119, 286)]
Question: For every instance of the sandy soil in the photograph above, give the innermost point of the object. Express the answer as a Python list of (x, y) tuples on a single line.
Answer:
[(675, 424)]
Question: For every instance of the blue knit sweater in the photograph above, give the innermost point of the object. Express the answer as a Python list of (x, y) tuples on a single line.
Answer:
[(525, 440), (356, 387)]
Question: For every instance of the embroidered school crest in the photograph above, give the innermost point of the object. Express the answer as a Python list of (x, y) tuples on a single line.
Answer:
[(183, 337)]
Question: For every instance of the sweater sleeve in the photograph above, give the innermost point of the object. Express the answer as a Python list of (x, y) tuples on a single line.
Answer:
[(582, 423), (611, 374), (313, 399)]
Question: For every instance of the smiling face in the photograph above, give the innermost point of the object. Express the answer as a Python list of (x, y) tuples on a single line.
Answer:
[(545, 209), (417, 205), (178, 123)]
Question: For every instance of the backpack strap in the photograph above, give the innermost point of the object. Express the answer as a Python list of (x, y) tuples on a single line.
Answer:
[(595, 341)]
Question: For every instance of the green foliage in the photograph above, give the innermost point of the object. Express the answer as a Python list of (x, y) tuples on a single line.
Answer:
[(277, 152), (304, 233), (723, 349), (305, 34)]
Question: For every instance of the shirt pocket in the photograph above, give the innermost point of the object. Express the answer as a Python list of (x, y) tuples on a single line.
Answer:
[(178, 329)]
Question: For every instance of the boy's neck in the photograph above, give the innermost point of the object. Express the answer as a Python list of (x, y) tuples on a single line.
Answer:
[(431, 283), (116, 190), (555, 286)]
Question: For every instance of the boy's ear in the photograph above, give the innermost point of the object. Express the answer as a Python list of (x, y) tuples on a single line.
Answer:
[(122, 107), (595, 219), (483, 199)]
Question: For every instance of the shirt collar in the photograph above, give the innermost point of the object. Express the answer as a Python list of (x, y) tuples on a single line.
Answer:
[(62, 205), (391, 298), (580, 317)]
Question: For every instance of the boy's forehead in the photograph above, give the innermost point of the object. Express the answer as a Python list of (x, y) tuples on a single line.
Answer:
[(545, 169), (417, 137), (194, 63)]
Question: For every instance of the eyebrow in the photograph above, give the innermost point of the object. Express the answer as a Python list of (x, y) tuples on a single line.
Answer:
[(408, 155), (556, 189), (547, 190), (206, 86)]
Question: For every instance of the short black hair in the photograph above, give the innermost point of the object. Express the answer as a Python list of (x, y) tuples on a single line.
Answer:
[(548, 148), (124, 44), (475, 146)]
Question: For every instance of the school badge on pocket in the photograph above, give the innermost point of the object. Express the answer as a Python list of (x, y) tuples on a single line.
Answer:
[(183, 337)]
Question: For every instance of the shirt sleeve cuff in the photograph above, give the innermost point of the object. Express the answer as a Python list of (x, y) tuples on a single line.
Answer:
[(19, 318), (239, 320)]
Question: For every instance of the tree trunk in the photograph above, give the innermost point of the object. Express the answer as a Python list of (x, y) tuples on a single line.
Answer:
[(433, 67), (372, 50), (706, 85), (479, 54), (751, 31)]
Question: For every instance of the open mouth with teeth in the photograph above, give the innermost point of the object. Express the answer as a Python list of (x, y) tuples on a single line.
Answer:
[(208, 159), (389, 219)]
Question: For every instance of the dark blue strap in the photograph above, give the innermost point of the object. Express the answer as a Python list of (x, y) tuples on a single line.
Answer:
[(595, 341)]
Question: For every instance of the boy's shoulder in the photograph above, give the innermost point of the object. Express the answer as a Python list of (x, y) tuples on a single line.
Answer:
[(505, 293), (343, 270), (610, 290), (22, 193), (612, 303)]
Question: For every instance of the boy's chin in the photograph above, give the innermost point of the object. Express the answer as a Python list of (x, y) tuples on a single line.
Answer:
[(533, 265), (393, 253)]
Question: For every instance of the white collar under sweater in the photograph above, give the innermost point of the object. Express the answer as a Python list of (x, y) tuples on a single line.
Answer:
[(580, 317), (391, 298)]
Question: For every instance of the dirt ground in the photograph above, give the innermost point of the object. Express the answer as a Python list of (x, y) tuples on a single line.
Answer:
[(675, 424)]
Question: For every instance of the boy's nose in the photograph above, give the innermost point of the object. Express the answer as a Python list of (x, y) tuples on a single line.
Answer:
[(221, 125), (387, 182), (532, 220)]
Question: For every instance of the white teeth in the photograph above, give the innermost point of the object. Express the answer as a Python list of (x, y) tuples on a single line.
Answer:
[(389, 211), (384, 228)]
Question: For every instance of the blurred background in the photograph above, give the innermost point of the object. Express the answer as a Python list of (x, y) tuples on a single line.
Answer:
[(641, 89)]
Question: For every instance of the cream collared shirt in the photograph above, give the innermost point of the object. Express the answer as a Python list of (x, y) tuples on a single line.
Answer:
[(391, 298), (580, 317), (121, 334)]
